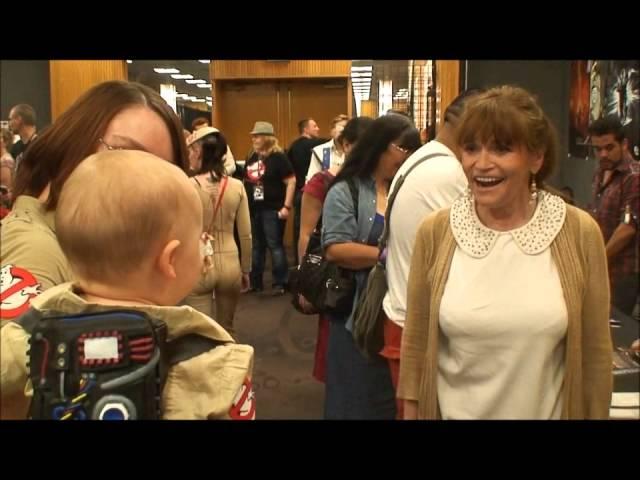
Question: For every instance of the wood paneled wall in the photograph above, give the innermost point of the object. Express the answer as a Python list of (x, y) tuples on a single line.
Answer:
[(243, 69), (71, 78), (369, 108), (447, 84)]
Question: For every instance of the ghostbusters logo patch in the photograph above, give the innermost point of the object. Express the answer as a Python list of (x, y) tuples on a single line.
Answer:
[(17, 288), (244, 403), (255, 171)]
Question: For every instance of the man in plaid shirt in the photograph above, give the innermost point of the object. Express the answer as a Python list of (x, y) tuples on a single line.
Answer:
[(616, 205)]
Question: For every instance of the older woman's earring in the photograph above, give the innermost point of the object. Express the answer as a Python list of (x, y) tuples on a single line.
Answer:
[(534, 190)]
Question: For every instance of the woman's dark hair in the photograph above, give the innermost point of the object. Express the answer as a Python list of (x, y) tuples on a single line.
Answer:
[(365, 155), (354, 129), (214, 148), (75, 135)]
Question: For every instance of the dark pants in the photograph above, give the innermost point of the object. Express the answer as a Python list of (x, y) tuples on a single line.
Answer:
[(625, 293), (297, 211), (268, 231), (356, 388)]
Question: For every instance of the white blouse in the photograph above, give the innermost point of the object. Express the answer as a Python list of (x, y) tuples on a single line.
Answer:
[(503, 319)]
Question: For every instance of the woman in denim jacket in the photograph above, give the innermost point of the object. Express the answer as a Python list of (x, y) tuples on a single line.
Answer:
[(358, 387)]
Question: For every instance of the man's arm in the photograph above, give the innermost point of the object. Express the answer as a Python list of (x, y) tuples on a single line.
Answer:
[(620, 239)]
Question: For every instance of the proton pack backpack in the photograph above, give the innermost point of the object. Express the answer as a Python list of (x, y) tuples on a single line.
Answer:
[(109, 365)]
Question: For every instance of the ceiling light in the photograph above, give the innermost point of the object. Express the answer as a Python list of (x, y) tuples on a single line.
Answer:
[(204, 61), (360, 74), (209, 98), (195, 82), (199, 100), (367, 68), (181, 76), (166, 70), (129, 61), (204, 85)]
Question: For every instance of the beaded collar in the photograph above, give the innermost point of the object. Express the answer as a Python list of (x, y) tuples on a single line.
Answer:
[(534, 237)]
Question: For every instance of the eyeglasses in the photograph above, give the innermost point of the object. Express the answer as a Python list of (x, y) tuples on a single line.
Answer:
[(400, 149), (109, 147)]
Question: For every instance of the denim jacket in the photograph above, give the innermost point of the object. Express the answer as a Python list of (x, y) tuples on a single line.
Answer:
[(339, 223)]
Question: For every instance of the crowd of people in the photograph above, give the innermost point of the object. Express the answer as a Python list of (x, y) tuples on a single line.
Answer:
[(499, 288)]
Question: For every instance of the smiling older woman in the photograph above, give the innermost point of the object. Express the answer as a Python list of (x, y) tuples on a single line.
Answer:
[(507, 314)]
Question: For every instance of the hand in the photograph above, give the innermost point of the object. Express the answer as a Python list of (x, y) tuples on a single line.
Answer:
[(304, 304), (283, 213), (244, 283)]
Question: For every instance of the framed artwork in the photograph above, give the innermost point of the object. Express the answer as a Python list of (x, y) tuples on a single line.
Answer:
[(579, 108)]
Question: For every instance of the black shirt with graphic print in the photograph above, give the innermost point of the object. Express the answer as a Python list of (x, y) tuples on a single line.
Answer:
[(270, 173)]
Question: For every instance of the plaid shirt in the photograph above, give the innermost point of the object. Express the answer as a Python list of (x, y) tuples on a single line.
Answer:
[(609, 207)]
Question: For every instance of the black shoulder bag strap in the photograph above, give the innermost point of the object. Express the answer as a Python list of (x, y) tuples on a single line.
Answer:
[(382, 244), (313, 151)]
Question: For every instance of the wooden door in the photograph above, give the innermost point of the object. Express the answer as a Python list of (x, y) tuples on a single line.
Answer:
[(240, 104), (322, 100)]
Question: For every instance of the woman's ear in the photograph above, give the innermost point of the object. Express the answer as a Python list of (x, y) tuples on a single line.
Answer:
[(166, 261), (536, 160)]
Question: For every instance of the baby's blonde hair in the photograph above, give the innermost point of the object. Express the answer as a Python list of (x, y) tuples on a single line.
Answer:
[(118, 209)]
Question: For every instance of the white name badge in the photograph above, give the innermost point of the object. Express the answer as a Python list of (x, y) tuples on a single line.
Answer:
[(258, 192)]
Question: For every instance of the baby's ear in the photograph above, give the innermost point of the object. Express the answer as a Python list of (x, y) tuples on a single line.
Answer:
[(167, 259)]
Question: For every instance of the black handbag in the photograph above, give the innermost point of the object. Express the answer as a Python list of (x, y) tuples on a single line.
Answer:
[(328, 287)]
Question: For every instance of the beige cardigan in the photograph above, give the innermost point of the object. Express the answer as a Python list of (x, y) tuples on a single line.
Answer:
[(579, 253)]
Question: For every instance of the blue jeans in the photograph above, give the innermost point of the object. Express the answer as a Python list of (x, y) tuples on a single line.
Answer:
[(268, 231), (356, 387)]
